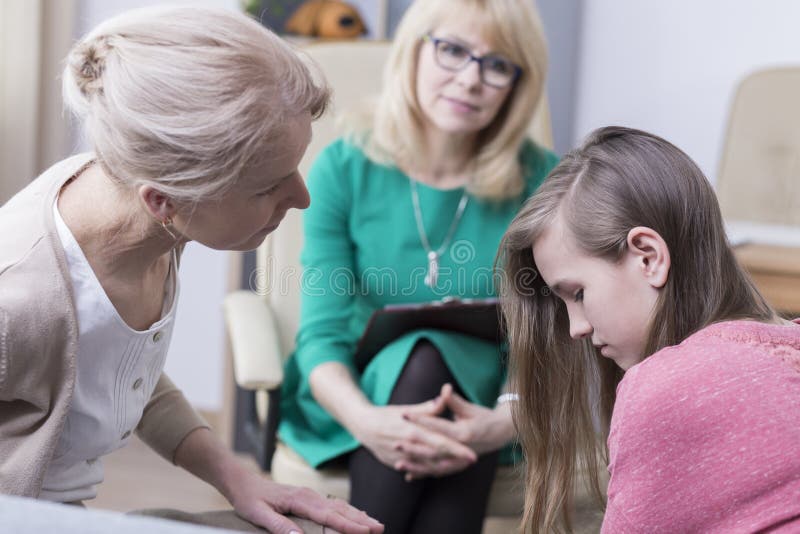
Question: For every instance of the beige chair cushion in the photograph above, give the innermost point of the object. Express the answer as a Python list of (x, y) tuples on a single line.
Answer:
[(288, 467)]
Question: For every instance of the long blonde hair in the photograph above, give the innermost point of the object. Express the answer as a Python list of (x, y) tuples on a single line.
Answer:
[(184, 98), (391, 131), (618, 179)]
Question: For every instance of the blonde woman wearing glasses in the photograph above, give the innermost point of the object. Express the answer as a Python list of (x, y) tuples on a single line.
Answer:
[(412, 207)]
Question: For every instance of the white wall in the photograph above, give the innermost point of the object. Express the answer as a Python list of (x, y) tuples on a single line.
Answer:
[(196, 356), (370, 11), (672, 67), (562, 26), (93, 12)]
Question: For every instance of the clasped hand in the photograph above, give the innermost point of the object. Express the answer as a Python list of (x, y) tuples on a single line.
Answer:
[(417, 440)]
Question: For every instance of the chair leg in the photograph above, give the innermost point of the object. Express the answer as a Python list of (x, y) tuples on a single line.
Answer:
[(250, 436), (271, 427)]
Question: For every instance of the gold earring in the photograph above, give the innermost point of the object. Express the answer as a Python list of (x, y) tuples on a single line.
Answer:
[(164, 223)]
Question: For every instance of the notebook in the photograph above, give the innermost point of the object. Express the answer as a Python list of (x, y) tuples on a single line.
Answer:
[(480, 318)]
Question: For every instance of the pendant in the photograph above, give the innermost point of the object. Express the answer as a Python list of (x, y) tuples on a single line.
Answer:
[(433, 269)]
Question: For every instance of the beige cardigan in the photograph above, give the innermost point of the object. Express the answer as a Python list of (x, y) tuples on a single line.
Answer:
[(38, 343)]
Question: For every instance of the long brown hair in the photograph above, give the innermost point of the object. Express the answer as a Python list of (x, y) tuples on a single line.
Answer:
[(618, 179)]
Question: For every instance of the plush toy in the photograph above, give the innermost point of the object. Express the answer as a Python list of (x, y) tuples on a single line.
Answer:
[(326, 18)]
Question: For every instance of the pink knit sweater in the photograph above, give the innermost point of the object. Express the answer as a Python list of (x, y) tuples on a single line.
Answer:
[(705, 435)]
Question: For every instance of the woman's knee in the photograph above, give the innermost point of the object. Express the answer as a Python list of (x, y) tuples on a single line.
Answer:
[(424, 374)]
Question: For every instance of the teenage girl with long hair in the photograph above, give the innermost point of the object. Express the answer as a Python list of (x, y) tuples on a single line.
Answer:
[(630, 319)]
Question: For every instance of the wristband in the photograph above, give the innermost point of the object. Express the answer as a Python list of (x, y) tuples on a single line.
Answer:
[(507, 397)]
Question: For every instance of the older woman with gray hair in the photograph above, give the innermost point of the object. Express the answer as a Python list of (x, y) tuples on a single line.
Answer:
[(197, 119)]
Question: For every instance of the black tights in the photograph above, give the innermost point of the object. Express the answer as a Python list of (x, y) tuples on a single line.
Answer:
[(455, 503)]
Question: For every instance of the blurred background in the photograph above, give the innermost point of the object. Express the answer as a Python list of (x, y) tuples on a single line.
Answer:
[(667, 67)]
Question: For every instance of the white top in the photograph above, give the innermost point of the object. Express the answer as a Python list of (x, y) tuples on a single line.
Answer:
[(117, 371)]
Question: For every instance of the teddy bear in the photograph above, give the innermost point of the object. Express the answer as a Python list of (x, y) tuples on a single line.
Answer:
[(331, 19)]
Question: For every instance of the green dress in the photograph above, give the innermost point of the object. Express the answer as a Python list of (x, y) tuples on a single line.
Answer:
[(362, 251)]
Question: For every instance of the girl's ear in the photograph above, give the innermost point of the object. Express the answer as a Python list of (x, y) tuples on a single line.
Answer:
[(159, 205), (651, 254)]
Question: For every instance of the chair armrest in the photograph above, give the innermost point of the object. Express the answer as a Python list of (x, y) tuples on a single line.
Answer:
[(257, 361)]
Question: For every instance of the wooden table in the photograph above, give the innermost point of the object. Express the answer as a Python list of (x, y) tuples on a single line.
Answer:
[(776, 272)]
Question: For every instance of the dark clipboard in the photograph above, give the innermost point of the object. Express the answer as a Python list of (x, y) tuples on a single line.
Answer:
[(480, 318)]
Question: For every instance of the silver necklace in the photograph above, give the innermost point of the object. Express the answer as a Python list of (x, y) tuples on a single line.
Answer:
[(434, 255)]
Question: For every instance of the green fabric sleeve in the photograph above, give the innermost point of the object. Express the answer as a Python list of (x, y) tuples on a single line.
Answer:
[(328, 260)]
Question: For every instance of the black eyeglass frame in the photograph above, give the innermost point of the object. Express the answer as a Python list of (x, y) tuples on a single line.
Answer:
[(478, 59)]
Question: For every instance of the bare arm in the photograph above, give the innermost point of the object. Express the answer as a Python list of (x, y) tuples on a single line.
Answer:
[(335, 390)]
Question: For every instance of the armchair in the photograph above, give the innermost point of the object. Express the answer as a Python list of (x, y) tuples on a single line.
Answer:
[(759, 177), (759, 183)]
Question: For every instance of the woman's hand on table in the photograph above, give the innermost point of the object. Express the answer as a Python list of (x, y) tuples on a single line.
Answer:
[(267, 503), (260, 500)]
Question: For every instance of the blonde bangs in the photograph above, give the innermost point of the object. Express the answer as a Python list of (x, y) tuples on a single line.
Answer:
[(498, 174), (391, 133)]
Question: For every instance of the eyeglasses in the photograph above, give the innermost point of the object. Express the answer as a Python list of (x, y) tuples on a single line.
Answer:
[(496, 70)]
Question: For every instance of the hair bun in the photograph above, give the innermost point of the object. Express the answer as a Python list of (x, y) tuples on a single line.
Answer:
[(88, 63)]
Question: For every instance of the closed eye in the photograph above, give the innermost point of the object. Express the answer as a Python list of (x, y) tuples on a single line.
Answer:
[(268, 191), (274, 187)]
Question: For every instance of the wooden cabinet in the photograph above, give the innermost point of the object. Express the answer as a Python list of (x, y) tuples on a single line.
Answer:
[(776, 272)]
